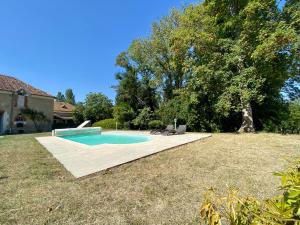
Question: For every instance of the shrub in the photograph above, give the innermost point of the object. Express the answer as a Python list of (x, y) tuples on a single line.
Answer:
[(155, 124), (107, 124), (123, 113), (78, 113), (288, 120), (174, 108), (292, 125), (142, 120), (127, 125), (97, 107), (37, 117)]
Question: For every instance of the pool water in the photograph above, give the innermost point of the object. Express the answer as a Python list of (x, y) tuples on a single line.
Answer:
[(98, 139)]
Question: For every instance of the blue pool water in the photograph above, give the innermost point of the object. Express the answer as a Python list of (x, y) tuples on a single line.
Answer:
[(98, 139)]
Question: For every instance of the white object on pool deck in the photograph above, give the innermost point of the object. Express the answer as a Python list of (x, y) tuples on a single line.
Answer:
[(82, 160), (76, 131), (85, 124)]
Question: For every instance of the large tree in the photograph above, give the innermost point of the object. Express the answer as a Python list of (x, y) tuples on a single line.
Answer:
[(60, 97), (127, 89), (162, 57), (227, 61), (244, 47), (291, 13), (70, 97), (95, 107), (135, 86)]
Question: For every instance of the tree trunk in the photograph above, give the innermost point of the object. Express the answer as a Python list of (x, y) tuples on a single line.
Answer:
[(247, 121)]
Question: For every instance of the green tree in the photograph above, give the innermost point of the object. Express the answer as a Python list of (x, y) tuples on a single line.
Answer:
[(243, 47), (127, 89), (144, 117), (123, 113), (37, 117), (97, 107), (147, 86), (135, 83), (291, 13), (167, 57), (78, 114), (60, 97), (151, 68), (161, 56), (222, 64), (70, 97), (292, 122)]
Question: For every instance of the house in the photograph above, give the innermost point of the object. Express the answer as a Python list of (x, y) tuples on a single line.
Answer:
[(63, 115), (16, 95)]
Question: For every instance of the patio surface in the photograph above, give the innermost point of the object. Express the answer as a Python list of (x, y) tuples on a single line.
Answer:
[(82, 160)]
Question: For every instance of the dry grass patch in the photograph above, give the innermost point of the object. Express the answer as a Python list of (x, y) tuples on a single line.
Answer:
[(165, 188)]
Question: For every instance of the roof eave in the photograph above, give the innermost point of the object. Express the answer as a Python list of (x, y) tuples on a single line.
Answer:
[(9, 91)]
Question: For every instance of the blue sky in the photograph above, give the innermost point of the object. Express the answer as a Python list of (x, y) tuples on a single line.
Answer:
[(55, 44)]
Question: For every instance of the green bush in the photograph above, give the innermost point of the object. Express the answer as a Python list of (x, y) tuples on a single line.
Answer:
[(123, 113), (107, 124), (288, 120), (143, 118), (174, 108), (127, 125), (292, 124), (155, 124)]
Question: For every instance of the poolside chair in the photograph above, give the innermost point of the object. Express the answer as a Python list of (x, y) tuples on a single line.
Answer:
[(159, 131), (180, 130)]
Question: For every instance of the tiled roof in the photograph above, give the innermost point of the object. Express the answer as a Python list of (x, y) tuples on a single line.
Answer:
[(8, 83), (63, 107)]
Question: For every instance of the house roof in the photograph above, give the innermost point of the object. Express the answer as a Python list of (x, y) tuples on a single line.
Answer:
[(12, 84), (63, 107)]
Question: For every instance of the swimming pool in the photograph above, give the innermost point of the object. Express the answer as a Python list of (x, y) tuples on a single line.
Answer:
[(98, 139)]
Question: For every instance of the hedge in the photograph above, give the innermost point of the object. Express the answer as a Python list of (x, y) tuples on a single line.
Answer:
[(155, 124), (107, 124)]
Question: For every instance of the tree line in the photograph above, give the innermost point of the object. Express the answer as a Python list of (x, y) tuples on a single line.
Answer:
[(95, 107), (215, 66), (68, 97)]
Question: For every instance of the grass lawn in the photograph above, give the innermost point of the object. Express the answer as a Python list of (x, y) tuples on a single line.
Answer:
[(165, 188)]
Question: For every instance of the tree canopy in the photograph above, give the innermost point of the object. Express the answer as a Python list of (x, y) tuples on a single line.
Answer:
[(217, 65), (70, 97), (95, 107), (60, 97)]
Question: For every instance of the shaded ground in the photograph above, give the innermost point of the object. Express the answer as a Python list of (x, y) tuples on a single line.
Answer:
[(165, 188)]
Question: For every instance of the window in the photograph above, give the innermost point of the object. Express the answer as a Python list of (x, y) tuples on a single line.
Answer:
[(21, 99)]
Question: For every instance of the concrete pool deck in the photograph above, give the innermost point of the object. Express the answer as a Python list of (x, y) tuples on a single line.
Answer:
[(82, 160)]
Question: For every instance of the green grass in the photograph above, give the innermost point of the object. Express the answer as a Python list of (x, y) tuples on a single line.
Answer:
[(165, 188)]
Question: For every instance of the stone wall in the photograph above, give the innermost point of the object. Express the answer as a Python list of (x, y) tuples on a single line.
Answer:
[(5, 109), (10, 114)]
